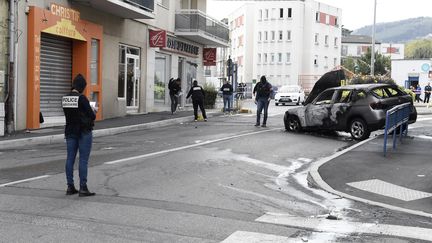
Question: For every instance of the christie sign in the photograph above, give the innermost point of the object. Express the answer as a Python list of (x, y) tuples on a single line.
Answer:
[(209, 56), (157, 38)]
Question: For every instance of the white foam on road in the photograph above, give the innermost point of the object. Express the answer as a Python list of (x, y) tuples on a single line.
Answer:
[(347, 227), (186, 147)]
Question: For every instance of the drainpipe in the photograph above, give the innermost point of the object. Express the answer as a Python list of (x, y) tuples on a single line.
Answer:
[(9, 109)]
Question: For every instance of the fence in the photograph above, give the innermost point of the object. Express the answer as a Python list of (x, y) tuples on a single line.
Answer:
[(397, 117)]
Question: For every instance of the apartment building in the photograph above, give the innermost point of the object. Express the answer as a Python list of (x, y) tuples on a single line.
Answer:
[(126, 49), (291, 42)]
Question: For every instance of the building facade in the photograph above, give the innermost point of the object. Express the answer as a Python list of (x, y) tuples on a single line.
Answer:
[(290, 42), (110, 43), (409, 73)]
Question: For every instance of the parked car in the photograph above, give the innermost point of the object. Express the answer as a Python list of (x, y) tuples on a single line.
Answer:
[(357, 109), (289, 94)]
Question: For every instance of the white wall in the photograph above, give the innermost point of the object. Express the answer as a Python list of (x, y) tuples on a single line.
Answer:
[(401, 69)]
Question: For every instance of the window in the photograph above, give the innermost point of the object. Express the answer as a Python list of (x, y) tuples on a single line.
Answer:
[(260, 14), (289, 12), (281, 13), (317, 15), (265, 58), (288, 57), (259, 57), (336, 41), (240, 41), (265, 36), (335, 62), (266, 14), (273, 13), (289, 35), (128, 56), (316, 39), (324, 98), (280, 35), (326, 62), (344, 50), (272, 58), (279, 57), (164, 3), (336, 21), (316, 60), (259, 36), (326, 38), (94, 61), (327, 20), (273, 35), (343, 96)]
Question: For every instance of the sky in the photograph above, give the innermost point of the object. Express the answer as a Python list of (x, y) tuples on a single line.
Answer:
[(355, 13)]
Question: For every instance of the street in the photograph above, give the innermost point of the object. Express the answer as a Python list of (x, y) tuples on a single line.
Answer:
[(218, 181)]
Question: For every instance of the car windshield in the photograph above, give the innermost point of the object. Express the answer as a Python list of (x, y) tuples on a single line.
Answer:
[(288, 89)]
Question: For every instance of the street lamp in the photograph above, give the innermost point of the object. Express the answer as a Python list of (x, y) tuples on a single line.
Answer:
[(372, 65)]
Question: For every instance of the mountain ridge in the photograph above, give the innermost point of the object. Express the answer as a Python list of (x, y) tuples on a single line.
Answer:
[(401, 31)]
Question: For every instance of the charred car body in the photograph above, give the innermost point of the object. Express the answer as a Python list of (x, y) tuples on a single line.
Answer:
[(358, 109)]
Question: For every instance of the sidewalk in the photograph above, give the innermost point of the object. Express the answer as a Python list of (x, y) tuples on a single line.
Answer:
[(401, 181), (106, 127)]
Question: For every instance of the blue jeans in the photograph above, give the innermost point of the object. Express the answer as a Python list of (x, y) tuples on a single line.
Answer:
[(227, 100), (262, 103), (82, 144)]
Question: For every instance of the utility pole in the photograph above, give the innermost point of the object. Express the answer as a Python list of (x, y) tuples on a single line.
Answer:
[(373, 42)]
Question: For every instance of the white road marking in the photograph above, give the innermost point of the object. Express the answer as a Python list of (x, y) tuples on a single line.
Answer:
[(347, 227), (187, 147), (424, 119), (389, 190), (424, 137), (252, 237), (25, 180)]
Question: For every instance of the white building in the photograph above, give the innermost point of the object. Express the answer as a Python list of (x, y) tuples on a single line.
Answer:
[(394, 51), (290, 42), (357, 45), (411, 72)]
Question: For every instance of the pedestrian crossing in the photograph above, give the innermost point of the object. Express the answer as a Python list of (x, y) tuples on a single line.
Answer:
[(324, 230)]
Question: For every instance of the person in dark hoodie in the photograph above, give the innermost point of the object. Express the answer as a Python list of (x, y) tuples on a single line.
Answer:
[(262, 92), (197, 93), (174, 86), (80, 118)]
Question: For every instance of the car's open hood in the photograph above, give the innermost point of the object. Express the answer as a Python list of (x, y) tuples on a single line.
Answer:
[(328, 80)]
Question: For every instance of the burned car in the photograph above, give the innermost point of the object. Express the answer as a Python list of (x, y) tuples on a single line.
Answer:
[(357, 109)]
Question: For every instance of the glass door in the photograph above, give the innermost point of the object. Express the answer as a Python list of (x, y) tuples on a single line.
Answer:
[(132, 77)]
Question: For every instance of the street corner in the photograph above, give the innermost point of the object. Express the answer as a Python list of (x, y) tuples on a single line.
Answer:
[(399, 181)]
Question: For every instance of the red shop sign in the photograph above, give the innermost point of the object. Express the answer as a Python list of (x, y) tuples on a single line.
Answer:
[(209, 56), (157, 38)]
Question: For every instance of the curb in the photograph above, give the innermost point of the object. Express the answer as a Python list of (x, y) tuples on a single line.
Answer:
[(315, 179), (51, 139)]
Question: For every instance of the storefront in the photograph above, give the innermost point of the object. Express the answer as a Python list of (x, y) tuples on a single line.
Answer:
[(60, 45), (173, 58)]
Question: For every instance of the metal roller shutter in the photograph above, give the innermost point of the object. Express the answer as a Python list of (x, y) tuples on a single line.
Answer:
[(55, 73)]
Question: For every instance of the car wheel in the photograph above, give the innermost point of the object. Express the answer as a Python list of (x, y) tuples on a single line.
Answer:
[(293, 124), (359, 129)]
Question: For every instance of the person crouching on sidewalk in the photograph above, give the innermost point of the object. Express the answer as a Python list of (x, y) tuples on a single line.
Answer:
[(197, 93)]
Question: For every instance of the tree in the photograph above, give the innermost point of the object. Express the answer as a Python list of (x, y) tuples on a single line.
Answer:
[(381, 67), (418, 49)]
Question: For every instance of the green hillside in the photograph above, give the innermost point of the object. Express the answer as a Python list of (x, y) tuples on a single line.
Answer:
[(399, 31)]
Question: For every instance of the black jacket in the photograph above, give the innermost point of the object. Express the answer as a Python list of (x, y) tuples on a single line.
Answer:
[(79, 114), (173, 87), (197, 93), (263, 90), (227, 89)]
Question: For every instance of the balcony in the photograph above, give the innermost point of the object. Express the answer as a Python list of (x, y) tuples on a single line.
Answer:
[(196, 26), (128, 9)]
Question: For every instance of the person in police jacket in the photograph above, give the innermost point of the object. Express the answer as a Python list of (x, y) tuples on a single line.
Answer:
[(197, 93), (227, 91), (80, 118)]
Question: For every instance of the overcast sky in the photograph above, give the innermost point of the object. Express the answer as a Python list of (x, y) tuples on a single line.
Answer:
[(355, 13)]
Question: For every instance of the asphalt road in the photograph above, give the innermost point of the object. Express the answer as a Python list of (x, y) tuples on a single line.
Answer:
[(218, 181)]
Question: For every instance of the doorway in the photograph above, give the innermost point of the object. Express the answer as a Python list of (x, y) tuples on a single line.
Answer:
[(132, 78)]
